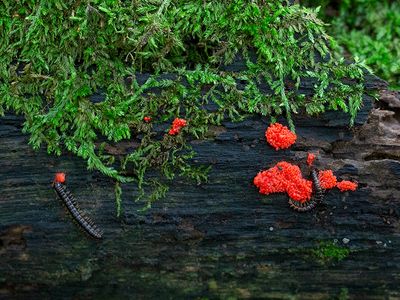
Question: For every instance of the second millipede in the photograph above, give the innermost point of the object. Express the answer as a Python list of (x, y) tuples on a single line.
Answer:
[(69, 201)]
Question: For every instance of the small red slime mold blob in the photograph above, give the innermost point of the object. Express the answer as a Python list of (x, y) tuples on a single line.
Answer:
[(177, 125), (147, 119), (60, 177), (284, 177), (346, 185), (310, 159), (279, 136), (326, 179)]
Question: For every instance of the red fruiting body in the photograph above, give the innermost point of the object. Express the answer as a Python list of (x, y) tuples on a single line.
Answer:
[(346, 185), (301, 190), (177, 125), (310, 159), (173, 131), (179, 122), (326, 179), (279, 136), (147, 119), (60, 177), (284, 177)]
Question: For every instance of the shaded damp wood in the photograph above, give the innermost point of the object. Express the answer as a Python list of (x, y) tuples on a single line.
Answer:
[(217, 240)]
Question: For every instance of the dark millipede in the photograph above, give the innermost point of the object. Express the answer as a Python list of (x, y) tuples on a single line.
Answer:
[(69, 201), (319, 193), (317, 198), (302, 207)]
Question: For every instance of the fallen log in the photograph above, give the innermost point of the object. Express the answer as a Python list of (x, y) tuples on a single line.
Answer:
[(216, 240)]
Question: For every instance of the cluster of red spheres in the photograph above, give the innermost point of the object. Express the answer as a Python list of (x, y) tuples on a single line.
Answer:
[(284, 178), (59, 177), (310, 159), (328, 181), (287, 178), (177, 125), (279, 136), (346, 185)]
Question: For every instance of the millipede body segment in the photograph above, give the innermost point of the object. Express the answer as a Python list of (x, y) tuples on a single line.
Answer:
[(319, 192), (302, 206), (69, 201), (312, 203)]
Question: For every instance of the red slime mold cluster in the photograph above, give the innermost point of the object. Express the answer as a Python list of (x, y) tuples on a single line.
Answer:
[(279, 136), (346, 185), (284, 177), (310, 159), (326, 179), (59, 177), (287, 178), (177, 125)]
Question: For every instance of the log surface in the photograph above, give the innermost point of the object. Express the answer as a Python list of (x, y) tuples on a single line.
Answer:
[(217, 240)]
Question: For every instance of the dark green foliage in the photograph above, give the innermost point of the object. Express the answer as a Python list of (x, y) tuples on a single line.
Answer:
[(55, 54), (369, 29)]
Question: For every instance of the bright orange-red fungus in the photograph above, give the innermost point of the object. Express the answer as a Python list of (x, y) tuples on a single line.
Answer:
[(60, 177), (310, 159), (346, 185), (147, 119), (177, 125), (326, 179), (284, 177), (279, 136)]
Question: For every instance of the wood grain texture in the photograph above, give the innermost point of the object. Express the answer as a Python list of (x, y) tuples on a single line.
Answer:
[(217, 240)]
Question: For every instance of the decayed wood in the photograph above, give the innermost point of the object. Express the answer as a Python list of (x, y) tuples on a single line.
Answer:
[(218, 239)]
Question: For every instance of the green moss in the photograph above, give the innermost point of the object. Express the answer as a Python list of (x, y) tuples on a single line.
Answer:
[(329, 251), (55, 54), (212, 285), (344, 294), (367, 29)]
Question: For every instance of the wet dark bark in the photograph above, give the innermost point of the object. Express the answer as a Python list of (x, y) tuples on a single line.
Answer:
[(218, 239)]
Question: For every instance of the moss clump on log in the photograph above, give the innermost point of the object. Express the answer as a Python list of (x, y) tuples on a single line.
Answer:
[(329, 251), (55, 55)]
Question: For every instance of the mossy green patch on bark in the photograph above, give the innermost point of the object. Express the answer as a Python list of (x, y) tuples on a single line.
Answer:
[(330, 251)]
